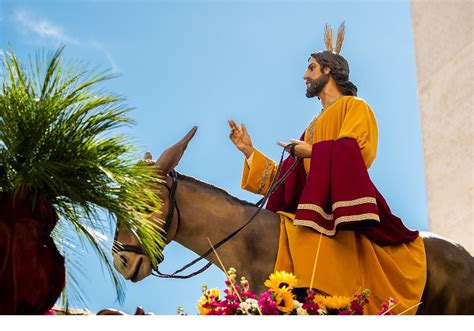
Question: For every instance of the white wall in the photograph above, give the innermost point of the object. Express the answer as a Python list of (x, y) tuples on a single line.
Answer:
[(443, 34)]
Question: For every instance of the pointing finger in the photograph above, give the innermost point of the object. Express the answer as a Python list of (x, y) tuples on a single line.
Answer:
[(233, 125)]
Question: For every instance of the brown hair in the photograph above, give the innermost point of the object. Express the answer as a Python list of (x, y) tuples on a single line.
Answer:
[(339, 70)]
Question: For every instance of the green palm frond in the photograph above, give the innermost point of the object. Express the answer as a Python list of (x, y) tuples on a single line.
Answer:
[(58, 139)]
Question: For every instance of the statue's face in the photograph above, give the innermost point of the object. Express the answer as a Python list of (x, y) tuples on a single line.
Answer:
[(315, 78), (132, 266), (313, 71)]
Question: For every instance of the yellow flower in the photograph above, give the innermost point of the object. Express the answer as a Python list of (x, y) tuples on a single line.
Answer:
[(208, 297), (319, 299), (278, 280), (284, 300), (332, 302)]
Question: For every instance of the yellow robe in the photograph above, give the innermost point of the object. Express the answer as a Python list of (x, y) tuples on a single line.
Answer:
[(348, 262)]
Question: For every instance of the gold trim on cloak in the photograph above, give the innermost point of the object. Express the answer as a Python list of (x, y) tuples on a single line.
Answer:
[(339, 220), (264, 177)]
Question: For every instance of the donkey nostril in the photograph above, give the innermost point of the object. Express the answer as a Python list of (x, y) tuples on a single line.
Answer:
[(124, 260)]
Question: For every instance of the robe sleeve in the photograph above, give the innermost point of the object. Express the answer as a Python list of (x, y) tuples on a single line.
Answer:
[(258, 173), (360, 124)]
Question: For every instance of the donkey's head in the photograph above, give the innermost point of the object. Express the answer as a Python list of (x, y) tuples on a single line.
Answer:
[(129, 258)]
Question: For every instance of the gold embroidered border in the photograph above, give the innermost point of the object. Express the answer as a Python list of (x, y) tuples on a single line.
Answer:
[(266, 171), (342, 219), (316, 208), (330, 217), (350, 203), (309, 140)]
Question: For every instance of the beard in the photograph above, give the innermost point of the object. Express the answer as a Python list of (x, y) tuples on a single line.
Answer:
[(316, 86)]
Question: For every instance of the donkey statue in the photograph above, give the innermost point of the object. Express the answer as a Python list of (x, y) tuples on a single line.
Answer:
[(206, 211)]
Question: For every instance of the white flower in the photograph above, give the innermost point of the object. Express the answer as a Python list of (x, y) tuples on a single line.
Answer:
[(299, 308), (301, 311), (245, 307), (248, 307), (322, 312), (252, 302), (297, 304)]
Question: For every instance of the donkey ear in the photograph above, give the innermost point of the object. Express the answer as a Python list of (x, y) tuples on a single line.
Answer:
[(148, 156), (169, 159)]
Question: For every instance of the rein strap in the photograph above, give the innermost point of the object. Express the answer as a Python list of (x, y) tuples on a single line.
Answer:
[(273, 186)]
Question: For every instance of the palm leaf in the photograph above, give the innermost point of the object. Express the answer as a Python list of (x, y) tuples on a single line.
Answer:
[(60, 138)]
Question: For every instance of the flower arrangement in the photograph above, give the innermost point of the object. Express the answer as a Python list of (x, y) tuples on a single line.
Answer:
[(279, 299)]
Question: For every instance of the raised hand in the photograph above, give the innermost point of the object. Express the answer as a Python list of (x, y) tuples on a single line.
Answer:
[(240, 138)]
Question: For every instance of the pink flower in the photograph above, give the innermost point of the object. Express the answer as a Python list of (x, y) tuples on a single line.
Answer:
[(357, 308), (248, 295), (267, 305), (311, 307), (384, 307)]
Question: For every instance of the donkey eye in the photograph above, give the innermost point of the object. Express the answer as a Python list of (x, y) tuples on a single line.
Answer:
[(123, 259)]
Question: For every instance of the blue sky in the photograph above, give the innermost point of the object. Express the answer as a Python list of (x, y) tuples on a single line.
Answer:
[(186, 63)]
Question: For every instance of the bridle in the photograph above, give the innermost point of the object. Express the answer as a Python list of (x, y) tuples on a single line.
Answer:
[(169, 219), (119, 247), (173, 205)]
